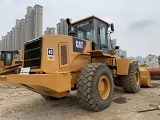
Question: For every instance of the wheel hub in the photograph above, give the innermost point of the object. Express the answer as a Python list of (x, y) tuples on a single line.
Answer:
[(136, 78), (103, 87)]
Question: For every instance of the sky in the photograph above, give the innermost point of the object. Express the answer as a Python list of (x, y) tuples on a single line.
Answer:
[(136, 22)]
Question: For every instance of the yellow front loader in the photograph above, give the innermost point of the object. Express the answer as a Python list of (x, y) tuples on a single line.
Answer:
[(10, 61), (84, 60)]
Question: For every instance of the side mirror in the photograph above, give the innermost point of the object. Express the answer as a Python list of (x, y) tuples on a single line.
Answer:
[(117, 47), (69, 25), (68, 21), (112, 27)]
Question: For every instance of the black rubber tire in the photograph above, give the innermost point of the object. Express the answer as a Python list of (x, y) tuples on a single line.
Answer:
[(128, 81), (87, 87)]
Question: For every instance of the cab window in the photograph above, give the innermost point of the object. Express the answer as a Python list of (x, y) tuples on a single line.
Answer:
[(15, 55), (89, 35), (102, 35), (85, 30)]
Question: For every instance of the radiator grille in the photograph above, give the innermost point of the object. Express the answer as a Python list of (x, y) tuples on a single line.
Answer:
[(63, 54), (32, 53), (63, 50)]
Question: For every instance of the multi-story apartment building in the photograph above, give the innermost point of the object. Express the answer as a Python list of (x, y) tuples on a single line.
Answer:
[(7, 40), (37, 21), (22, 33), (13, 39), (29, 24), (3, 43), (17, 35), (10, 40), (49, 30), (62, 27), (25, 29)]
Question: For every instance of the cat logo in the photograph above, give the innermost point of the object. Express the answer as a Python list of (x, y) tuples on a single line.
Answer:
[(50, 51), (50, 54), (79, 44)]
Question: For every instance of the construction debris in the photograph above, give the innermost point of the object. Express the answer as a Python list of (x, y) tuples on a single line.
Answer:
[(151, 109)]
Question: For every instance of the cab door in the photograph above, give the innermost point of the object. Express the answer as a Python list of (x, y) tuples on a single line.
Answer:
[(103, 38), (7, 58)]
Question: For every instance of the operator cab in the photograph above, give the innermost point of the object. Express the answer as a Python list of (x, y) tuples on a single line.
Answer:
[(95, 30), (8, 56)]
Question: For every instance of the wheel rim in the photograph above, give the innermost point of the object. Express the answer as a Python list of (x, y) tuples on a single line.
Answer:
[(136, 78), (104, 87)]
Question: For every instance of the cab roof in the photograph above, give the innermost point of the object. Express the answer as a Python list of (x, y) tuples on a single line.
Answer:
[(90, 17)]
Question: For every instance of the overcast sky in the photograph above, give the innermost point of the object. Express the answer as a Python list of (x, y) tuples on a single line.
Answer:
[(136, 22)]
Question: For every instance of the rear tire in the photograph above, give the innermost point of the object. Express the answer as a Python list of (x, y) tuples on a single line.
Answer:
[(132, 82), (95, 87)]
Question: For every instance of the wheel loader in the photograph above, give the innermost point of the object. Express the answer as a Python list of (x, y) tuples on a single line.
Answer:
[(84, 60), (10, 62)]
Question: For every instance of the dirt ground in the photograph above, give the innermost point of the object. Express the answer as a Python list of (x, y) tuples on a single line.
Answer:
[(19, 103)]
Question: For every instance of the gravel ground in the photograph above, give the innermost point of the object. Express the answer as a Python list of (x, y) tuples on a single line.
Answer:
[(19, 103)]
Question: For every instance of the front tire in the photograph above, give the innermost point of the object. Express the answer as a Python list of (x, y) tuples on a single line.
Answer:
[(95, 87)]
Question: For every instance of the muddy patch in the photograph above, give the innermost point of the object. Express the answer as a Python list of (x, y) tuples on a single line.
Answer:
[(120, 100)]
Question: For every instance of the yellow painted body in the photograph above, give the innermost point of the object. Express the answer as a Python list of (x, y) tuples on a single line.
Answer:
[(145, 76), (56, 74), (13, 68), (54, 78)]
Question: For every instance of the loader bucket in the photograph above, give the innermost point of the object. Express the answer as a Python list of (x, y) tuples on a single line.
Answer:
[(145, 76)]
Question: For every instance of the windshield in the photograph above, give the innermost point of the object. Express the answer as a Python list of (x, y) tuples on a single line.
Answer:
[(2, 55), (85, 30), (8, 59), (15, 55)]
